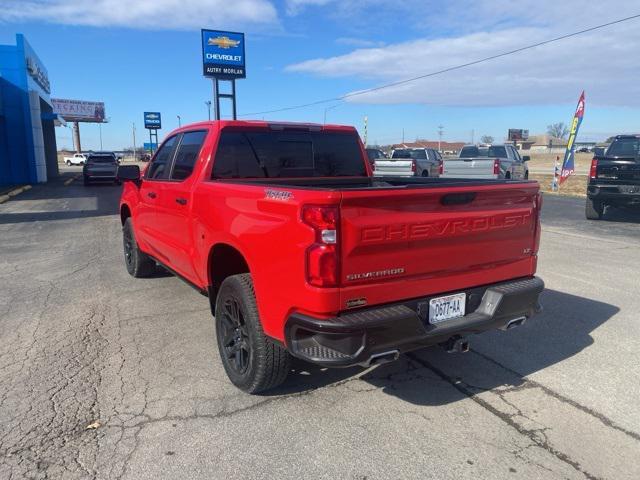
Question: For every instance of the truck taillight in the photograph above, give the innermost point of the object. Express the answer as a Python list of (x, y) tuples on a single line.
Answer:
[(413, 166), (441, 167), (538, 226), (496, 167), (322, 256), (593, 173)]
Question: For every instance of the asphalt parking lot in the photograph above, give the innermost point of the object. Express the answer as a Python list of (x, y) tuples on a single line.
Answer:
[(84, 344)]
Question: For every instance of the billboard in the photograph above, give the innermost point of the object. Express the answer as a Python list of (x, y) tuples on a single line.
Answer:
[(223, 54), (152, 120), (150, 147), (516, 134), (78, 110)]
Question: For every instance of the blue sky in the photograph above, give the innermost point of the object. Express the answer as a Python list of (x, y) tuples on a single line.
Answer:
[(145, 55)]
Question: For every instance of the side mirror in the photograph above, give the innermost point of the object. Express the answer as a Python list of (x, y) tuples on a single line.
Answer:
[(128, 173), (526, 158)]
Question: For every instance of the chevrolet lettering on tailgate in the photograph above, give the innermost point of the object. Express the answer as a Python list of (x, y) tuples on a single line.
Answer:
[(444, 228)]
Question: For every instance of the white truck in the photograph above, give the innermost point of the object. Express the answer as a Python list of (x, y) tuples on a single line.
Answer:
[(409, 162), (495, 161), (76, 159)]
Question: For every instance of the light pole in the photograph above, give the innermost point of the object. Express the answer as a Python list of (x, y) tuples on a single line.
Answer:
[(327, 109), (106, 120), (134, 141), (440, 130), (208, 104), (179, 122)]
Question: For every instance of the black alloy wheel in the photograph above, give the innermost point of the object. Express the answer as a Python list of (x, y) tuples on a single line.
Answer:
[(235, 337), (252, 361)]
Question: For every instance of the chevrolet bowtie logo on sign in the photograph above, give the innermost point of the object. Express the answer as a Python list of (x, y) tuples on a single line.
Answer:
[(223, 54), (152, 120), (223, 42)]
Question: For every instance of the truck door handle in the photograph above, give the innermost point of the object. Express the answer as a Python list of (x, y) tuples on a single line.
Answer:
[(151, 194), (181, 201)]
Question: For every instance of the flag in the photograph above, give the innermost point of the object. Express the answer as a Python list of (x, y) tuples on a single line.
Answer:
[(568, 165)]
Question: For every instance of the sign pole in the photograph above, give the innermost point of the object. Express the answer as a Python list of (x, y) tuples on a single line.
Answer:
[(233, 100), (216, 92)]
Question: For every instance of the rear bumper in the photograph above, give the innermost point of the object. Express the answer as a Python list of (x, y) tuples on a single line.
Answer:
[(100, 175), (617, 194), (355, 338)]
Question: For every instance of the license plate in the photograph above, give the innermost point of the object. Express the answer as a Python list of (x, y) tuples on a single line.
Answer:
[(446, 308)]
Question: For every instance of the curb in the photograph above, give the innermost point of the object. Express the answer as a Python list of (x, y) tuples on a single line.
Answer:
[(14, 192)]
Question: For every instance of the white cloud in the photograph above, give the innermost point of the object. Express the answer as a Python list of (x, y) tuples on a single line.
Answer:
[(151, 14), (601, 62), (296, 6), (359, 42)]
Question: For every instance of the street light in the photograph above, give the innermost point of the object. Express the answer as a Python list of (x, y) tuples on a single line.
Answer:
[(179, 122), (208, 104), (105, 120), (329, 108)]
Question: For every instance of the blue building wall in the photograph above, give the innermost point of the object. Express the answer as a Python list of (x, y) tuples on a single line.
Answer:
[(22, 157)]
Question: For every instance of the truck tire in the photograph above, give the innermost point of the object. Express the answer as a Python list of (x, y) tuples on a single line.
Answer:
[(252, 361), (594, 210), (138, 263)]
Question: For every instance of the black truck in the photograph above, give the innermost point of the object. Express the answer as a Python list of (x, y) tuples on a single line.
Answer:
[(614, 178)]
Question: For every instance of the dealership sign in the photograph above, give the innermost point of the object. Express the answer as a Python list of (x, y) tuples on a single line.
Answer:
[(38, 73), (78, 110), (223, 54), (152, 120)]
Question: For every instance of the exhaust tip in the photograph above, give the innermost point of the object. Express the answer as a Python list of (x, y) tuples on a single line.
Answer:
[(516, 322), (381, 358)]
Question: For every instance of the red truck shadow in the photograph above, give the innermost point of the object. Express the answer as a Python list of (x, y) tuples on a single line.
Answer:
[(496, 359)]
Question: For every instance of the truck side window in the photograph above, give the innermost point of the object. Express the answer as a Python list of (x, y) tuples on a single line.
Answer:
[(161, 163), (187, 153)]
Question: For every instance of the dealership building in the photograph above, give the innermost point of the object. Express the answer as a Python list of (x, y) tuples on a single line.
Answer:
[(27, 122)]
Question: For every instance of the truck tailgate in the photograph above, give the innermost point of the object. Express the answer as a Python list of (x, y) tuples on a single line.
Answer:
[(468, 168), (421, 241), (401, 167)]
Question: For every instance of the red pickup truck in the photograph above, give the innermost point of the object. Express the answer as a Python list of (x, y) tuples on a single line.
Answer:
[(302, 251)]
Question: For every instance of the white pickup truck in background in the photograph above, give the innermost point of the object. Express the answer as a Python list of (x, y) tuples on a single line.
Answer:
[(495, 161), (409, 162), (76, 159)]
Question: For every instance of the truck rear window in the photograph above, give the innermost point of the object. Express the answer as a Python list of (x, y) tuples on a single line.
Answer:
[(624, 147), (247, 154)]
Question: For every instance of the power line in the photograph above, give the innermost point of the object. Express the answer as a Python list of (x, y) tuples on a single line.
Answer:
[(445, 70)]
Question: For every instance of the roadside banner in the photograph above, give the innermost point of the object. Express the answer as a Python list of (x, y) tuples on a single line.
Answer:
[(568, 165)]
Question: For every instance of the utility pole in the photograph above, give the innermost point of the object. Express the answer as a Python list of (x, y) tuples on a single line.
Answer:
[(134, 142), (403, 137), (440, 131), (208, 104)]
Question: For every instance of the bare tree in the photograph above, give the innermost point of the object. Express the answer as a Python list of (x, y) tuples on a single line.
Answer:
[(558, 130), (486, 139)]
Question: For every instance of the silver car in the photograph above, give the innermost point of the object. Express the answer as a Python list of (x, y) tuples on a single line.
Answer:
[(100, 167)]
